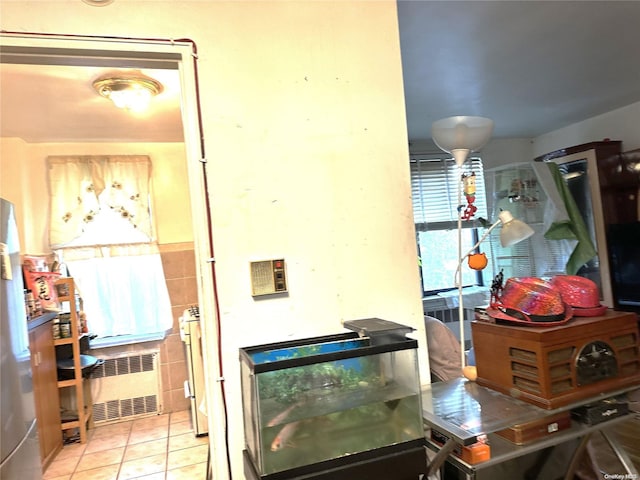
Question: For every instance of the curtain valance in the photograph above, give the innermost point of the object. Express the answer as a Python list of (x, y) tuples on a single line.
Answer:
[(80, 184)]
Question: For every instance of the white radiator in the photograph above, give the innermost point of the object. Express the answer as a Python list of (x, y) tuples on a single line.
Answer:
[(127, 387), (450, 317), (444, 307)]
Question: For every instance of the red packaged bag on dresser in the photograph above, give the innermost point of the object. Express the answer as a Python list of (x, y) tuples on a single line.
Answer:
[(42, 285)]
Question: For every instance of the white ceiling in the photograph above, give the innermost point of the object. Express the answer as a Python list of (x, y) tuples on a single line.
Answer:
[(531, 66), (57, 103)]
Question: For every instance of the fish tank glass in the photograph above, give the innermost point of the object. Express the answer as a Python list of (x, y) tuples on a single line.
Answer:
[(325, 398)]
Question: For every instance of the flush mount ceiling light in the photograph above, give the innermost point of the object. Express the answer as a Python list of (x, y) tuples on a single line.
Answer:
[(97, 3), (131, 91)]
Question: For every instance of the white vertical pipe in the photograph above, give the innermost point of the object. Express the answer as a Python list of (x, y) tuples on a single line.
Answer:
[(460, 155), (459, 273)]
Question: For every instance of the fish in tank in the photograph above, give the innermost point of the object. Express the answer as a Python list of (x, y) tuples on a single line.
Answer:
[(328, 398)]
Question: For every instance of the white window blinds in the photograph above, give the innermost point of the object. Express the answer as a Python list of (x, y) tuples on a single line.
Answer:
[(434, 190)]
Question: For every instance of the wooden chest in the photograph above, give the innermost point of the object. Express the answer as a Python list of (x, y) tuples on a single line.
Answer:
[(555, 366)]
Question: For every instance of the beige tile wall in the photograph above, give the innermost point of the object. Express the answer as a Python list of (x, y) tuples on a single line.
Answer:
[(178, 261)]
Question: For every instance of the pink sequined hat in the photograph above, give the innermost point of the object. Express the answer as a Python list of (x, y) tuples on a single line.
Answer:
[(581, 293), (531, 301)]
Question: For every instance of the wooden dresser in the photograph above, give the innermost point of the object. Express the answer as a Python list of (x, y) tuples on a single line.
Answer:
[(45, 386)]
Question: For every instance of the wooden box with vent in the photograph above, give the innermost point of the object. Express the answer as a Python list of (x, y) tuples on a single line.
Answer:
[(555, 366)]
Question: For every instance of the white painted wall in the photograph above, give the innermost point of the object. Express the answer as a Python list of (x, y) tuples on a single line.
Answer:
[(496, 153), (505, 151), (304, 123), (27, 162), (621, 124), (15, 184)]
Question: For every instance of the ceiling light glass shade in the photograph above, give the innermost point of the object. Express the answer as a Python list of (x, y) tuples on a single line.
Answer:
[(98, 3), (135, 98), (461, 135), (133, 92), (513, 230)]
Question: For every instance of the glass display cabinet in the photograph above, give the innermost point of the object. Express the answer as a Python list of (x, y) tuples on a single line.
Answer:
[(327, 406), (516, 188), (585, 170)]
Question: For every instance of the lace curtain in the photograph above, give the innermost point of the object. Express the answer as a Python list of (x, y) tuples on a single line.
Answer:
[(123, 288), (79, 183), (101, 229)]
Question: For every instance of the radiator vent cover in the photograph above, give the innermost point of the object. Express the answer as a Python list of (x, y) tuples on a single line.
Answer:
[(451, 317), (126, 387)]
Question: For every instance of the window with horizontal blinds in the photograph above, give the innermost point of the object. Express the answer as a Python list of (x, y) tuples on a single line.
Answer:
[(434, 190), (435, 180)]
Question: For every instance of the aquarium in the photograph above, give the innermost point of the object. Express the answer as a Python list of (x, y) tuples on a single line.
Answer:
[(318, 400)]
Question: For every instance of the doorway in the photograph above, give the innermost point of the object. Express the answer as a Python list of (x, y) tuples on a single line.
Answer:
[(55, 66)]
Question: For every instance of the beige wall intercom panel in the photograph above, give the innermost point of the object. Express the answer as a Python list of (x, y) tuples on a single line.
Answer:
[(268, 277)]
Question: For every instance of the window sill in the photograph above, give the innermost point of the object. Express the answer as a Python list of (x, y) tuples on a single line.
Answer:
[(120, 340), (471, 297)]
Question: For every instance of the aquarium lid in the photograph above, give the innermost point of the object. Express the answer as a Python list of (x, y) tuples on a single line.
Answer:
[(377, 327)]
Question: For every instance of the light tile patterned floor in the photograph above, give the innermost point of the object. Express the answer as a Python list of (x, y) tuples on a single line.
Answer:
[(161, 447)]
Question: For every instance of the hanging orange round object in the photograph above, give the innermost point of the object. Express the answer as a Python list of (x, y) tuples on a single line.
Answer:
[(478, 261)]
